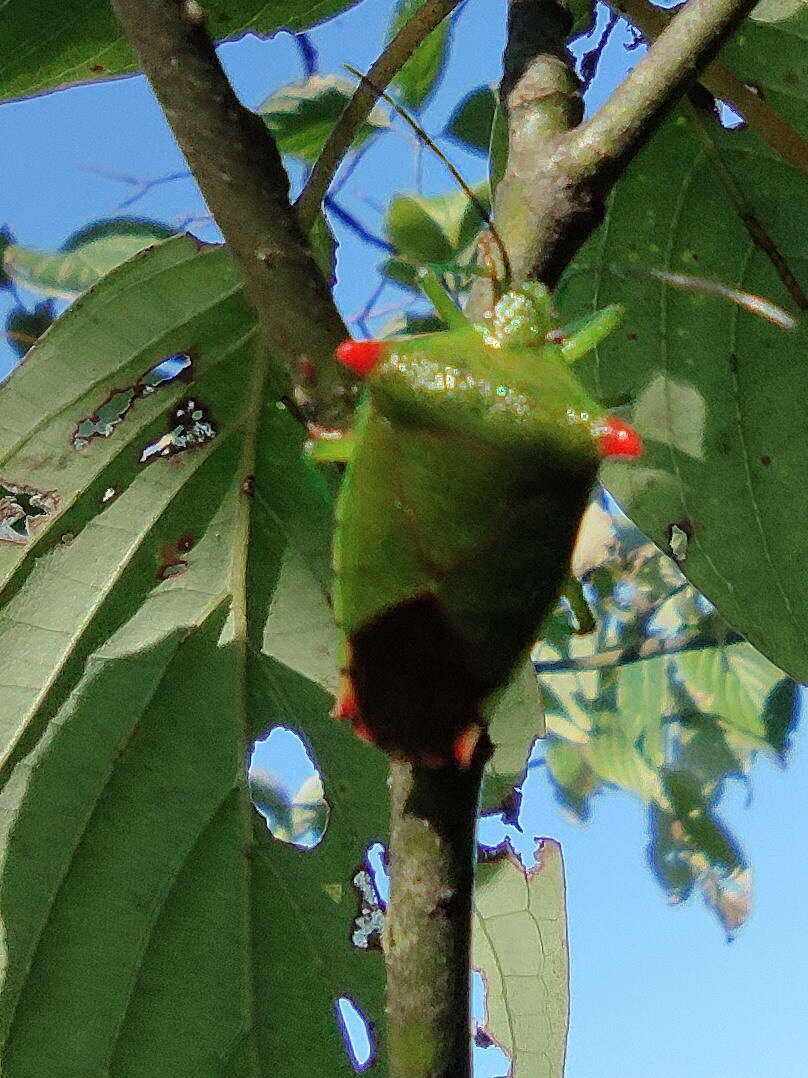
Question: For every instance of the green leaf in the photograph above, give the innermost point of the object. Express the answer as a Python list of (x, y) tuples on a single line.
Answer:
[(472, 120), (417, 79), (700, 828), (84, 258), (515, 723), (572, 776), (520, 946), (140, 660), (429, 231), (302, 115), (414, 230), (84, 42), (669, 729), (734, 684), (24, 327), (718, 392), (583, 15), (780, 714)]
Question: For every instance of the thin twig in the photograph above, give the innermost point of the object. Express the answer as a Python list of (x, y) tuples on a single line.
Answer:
[(308, 54), (649, 648), (401, 47), (143, 186), (591, 58), (425, 140)]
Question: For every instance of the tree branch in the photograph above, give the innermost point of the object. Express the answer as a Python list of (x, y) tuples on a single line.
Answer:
[(427, 936), (401, 47), (553, 193), (540, 96), (604, 145), (759, 116), (239, 170), (650, 648)]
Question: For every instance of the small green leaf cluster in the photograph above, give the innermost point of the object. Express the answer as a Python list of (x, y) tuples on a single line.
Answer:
[(663, 701)]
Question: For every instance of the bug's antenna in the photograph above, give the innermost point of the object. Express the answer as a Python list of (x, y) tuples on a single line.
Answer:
[(485, 216)]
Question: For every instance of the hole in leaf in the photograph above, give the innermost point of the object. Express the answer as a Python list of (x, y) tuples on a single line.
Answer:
[(369, 921), (729, 118), (286, 788), (376, 858), (490, 1060), (23, 509), (108, 495), (357, 1034), (111, 412), (165, 371), (171, 560), (190, 426)]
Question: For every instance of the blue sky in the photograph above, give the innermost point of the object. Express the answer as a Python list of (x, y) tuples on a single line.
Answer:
[(657, 991)]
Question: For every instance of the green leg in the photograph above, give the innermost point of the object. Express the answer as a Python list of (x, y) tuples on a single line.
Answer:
[(585, 334), (322, 450), (444, 305)]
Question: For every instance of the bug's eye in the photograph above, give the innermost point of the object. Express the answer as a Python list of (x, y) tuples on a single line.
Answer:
[(616, 438), (359, 356)]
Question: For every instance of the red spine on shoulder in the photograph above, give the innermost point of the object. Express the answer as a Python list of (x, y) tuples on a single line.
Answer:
[(359, 356), (345, 706), (616, 438)]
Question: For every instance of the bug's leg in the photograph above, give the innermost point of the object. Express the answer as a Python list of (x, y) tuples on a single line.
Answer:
[(445, 307), (581, 610), (331, 446), (582, 336)]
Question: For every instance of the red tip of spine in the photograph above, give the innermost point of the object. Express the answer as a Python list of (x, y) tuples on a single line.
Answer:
[(363, 731), (617, 438), (465, 745), (359, 356), (346, 706)]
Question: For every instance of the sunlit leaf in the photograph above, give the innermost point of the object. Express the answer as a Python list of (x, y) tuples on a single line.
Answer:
[(60, 42), (520, 946), (718, 391), (140, 660), (416, 80), (83, 259), (302, 114)]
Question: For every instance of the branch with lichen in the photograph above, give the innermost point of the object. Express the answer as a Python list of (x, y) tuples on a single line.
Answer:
[(237, 165)]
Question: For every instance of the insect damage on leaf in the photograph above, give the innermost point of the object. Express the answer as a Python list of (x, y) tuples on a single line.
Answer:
[(23, 509), (475, 453), (102, 423), (191, 426)]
